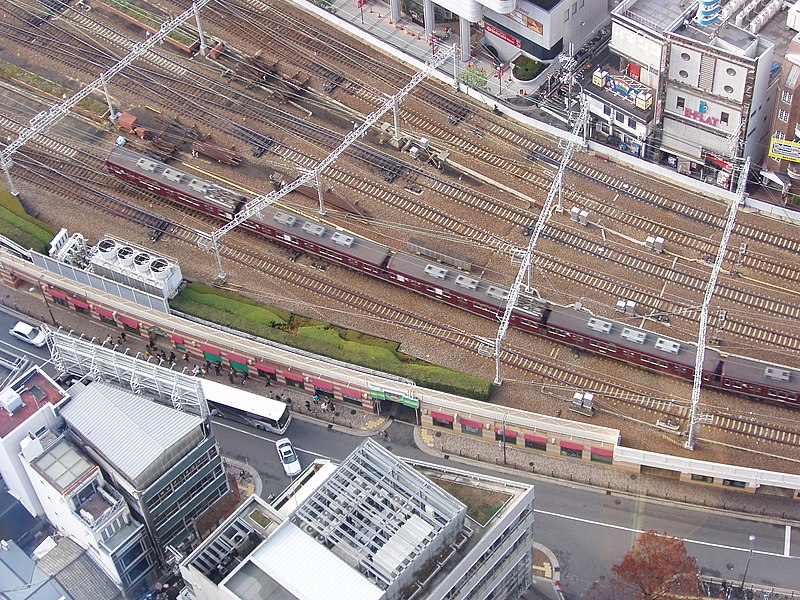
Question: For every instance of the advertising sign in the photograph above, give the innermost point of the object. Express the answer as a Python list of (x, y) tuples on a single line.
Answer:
[(783, 150), (502, 35)]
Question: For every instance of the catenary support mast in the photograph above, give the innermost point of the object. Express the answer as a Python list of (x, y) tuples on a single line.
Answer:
[(544, 215), (695, 417), (254, 206), (46, 119)]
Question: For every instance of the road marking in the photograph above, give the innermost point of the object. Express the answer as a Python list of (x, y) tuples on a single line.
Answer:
[(787, 540), (258, 433), (687, 540)]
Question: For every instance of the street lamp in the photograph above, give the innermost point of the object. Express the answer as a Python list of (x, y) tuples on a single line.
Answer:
[(752, 539)]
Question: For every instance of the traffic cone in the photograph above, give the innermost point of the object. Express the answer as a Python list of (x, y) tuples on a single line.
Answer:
[(370, 10)]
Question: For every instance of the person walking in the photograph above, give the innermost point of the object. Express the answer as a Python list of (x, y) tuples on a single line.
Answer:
[(230, 376)]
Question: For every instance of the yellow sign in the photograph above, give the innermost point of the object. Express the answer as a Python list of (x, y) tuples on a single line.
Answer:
[(783, 150)]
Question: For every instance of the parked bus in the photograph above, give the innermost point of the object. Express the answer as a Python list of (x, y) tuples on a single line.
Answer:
[(239, 405)]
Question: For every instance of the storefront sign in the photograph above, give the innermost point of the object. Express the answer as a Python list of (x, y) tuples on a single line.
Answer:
[(502, 35), (700, 114)]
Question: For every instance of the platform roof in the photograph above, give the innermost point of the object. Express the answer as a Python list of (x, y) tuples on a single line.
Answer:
[(130, 431)]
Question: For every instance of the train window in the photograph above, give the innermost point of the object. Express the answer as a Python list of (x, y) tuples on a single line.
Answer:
[(737, 385), (482, 307), (734, 483), (400, 278)]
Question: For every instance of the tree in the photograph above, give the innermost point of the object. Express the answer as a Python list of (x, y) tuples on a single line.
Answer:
[(656, 568)]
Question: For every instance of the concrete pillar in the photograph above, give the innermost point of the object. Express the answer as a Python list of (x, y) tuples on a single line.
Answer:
[(463, 32), (395, 6), (427, 6)]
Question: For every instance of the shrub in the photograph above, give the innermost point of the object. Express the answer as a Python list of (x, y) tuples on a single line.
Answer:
[(526, 68)]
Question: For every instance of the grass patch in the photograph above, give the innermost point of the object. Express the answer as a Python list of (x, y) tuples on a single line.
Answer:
[(11, 71), (25, 230), (346, 345), (260, 518), (482, 504), (149, 20), (526, 69)]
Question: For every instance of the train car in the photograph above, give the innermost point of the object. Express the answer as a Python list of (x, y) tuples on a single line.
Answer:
[(761, 379), (569, 325), (176, 185)]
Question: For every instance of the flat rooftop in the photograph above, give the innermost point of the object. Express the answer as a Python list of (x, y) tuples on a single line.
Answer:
[(658, 15), (36, 389)]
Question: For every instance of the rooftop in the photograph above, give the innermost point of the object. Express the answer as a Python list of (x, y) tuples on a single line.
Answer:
[(36, 389), (658, 15), (63, 466), (130, 431), (77, 572), (24, 580)]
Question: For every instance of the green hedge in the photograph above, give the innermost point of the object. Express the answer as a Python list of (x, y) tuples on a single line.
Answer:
[(25, 230), (324, 339)]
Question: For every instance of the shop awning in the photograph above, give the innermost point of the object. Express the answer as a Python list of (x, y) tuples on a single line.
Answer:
[(322, 385), (58, 295), (351, 393), (177, 339), (266, 369), (441, 416), (292, 376), (469, 423), (238, 365), (602, 452), (508, 433), (536, 439), (133, 323), (572, 446), (104, 312), (80, 304)]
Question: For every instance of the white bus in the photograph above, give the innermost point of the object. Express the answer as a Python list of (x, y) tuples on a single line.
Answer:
[(238, 405)]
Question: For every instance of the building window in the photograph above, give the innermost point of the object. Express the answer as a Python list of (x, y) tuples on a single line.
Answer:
[(566, 15), (631, 123), (607, 109), (703, 478), (685, 56), (786, 97), (728, 89), (779, 135), (680, 102), (734, 483), (783, 116), (536, 443), (472, 429), (723, 118), (574, 8), (619, 117)]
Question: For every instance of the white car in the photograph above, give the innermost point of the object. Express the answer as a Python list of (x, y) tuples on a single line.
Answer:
[(291, 464), (28, 334)]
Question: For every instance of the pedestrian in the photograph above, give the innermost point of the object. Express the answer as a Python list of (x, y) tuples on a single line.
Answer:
[(119, 341), (172, 357), (271, 395), (315, 398), (208, 366), (186, 357), (308, 406), (218, 369), (203, 372), (163, 356), (244, 379), (147, 353), (122, 335), (230, 375), (108, 339), (196, 370), (324, 407), (269, 381)]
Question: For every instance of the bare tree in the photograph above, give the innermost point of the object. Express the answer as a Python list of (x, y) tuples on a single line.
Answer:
[(656, 568)]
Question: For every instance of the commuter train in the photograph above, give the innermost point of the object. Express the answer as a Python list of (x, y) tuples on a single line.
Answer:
[(569, 325)]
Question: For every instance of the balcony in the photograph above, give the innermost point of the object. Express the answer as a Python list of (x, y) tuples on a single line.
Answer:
[(98, 504), (793, 170)]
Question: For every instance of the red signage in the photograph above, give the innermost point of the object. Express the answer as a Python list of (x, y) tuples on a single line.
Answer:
[(502, 35), (698, 116)]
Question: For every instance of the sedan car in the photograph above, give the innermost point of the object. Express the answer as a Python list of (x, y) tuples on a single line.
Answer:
[(28, 334), (291, 464)]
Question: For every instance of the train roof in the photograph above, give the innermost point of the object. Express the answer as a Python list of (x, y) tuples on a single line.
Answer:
[(323, 234), (176, 179), (584, 323), (764, 373), (458, 282)]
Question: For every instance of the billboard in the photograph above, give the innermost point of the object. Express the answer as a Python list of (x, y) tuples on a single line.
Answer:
[(783, 150)]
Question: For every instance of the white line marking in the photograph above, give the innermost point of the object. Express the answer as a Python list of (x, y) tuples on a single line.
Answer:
[(787, 540), (687, 540), (257, 433)]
